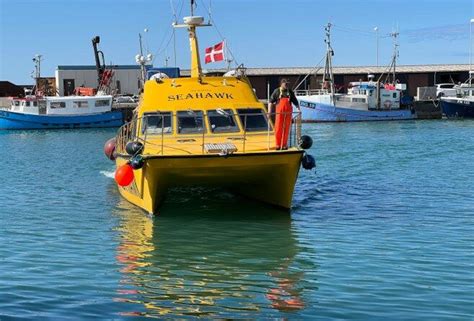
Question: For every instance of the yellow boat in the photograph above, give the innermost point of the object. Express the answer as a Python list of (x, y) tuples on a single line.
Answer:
[(205, 131)]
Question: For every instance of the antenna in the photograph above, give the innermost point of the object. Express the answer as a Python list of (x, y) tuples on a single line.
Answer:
[(142, 59)]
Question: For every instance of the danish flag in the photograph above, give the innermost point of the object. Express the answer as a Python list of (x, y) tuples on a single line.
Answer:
[(215, 53)]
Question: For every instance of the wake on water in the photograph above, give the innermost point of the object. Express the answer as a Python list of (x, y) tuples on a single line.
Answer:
[(109, 174)]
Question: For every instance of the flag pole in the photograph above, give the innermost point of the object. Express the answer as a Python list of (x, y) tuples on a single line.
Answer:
[(226, 52)]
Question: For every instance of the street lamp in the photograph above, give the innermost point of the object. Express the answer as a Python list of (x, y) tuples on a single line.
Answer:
[(376, 29), (470, 48)]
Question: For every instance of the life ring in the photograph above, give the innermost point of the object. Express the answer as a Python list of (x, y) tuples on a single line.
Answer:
[(387, 104)]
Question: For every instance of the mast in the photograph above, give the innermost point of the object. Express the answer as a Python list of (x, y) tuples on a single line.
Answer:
[(328, 73), (191, 23), (37, 60), (394, 35)]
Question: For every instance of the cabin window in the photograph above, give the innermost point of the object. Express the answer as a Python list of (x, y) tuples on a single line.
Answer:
[(57, 104), (27, 104), (190, 122), (222, 121), (102, 103), (253, 119), (394, 95), (35, 103), (17, 103), (359, 100), (80, 103), (157, 123)]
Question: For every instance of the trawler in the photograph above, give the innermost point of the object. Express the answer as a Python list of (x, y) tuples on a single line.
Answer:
[(205, 131), (365, 100)]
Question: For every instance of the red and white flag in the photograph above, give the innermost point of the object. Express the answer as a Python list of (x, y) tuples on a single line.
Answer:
[(215, 53)]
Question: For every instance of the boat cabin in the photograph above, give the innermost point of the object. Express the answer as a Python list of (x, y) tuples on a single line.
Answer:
[(364, 93), (71, 105)]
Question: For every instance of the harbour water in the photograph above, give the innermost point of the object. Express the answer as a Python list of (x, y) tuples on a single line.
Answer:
[(383, 229)]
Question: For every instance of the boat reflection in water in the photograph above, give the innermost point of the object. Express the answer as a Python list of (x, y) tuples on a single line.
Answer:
[(214, 260)]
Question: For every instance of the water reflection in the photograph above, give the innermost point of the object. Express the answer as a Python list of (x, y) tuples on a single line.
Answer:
[(226, 257)]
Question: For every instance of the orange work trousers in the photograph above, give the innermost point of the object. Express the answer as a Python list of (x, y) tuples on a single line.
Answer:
[(283, 122)]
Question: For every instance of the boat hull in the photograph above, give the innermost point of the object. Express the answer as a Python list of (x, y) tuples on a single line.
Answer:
[(455, 108), (13, 120), (268, 177), (320, 112)]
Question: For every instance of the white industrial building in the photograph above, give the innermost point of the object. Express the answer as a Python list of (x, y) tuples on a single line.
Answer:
[(126, 79)]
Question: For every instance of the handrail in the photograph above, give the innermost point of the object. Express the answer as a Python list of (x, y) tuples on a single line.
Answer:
[(311, 92), (137, 129)]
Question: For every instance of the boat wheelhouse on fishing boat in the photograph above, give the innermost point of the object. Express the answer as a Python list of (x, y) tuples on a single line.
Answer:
[(204, 131)]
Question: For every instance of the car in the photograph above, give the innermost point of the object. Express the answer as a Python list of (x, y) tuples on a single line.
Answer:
[(446, 90)]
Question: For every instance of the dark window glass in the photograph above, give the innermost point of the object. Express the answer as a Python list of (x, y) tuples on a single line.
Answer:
[(157, 123), (190, 122), (253, 119), (27, 104), (57, 104), (222, 121)]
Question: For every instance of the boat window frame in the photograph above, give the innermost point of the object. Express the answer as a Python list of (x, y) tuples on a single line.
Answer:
[(245, 111), (78, 103), (62, 104), (236, 127), (203, 122), (105, 100), (144, 123)]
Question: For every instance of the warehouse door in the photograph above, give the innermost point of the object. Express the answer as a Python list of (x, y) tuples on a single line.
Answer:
[(69, 86)]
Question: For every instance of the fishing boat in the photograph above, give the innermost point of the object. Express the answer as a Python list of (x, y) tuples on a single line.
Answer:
[(54, 112), (461, 105), (204, 131), (87, 108), (365, 101)]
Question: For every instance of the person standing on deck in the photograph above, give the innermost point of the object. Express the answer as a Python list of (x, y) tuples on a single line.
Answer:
[(282, 98)]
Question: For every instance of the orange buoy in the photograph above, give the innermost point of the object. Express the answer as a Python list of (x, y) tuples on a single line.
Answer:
[(124, 175)]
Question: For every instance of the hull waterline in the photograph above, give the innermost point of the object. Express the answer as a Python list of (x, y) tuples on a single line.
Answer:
[(13, 120), (319, 112), (454, 109)]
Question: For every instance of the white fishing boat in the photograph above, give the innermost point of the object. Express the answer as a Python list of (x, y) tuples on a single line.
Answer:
[(49, 112)]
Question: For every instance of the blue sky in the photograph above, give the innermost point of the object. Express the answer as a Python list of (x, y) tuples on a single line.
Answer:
[(260, 33)]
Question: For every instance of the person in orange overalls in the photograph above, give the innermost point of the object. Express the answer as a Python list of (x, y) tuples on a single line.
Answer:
[(283, 98)]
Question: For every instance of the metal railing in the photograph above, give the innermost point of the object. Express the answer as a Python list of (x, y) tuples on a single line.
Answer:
[(311, 92), (169, 140)]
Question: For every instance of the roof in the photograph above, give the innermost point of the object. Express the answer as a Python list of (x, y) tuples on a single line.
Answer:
[(345, 70), (93, 67)]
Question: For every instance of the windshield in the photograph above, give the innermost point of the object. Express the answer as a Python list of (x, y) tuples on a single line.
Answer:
[(190, 122), (253, 119), (157, 123), (222, 121)]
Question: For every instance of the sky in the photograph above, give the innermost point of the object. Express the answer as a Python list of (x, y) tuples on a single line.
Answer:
[(259, 33)]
